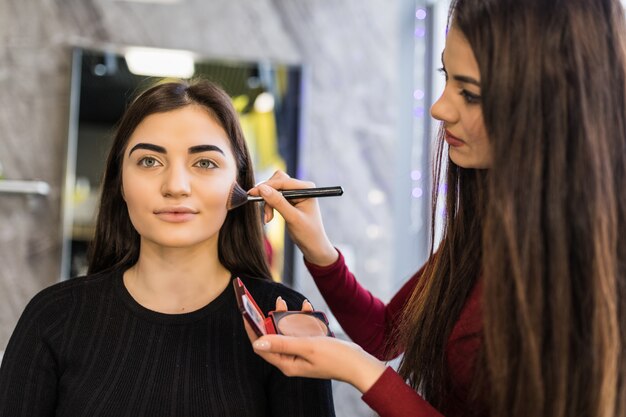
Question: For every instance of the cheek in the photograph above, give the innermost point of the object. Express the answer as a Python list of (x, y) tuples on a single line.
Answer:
[(477, 132), (134, 192), (480, 143), (217, 196)]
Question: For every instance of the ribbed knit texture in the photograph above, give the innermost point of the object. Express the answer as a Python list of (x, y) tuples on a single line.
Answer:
[(85, 347)]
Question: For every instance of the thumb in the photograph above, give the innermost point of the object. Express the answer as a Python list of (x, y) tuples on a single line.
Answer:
[(276, 200), (278, 344)]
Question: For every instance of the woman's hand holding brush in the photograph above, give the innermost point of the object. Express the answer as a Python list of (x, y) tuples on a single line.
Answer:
[(302, 217)]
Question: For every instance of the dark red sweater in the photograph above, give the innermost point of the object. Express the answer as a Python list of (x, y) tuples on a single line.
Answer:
[(371, 324)]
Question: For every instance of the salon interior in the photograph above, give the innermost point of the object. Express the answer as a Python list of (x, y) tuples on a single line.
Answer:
[(332, 91)]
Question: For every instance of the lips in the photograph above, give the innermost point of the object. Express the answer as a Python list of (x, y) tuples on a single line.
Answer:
[(177, 209), (453, 140), (176, 214)]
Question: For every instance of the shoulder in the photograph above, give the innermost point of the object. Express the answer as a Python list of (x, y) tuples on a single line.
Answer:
[(66, 288), (53, 301), (265, 293)]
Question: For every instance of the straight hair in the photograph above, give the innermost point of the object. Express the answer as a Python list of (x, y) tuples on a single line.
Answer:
[(549, 242), (116, 244)]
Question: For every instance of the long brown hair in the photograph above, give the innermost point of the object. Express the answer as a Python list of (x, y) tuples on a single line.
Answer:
[(116, 242), (552, 251)]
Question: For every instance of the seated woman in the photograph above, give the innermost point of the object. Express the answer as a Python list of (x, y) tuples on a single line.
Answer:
[(154, 328)]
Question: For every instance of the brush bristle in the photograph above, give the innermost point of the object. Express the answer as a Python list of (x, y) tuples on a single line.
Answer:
[(238, 197)]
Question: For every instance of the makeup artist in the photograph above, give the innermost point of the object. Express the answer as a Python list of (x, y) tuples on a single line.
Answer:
[(154, 329), (520, 311)]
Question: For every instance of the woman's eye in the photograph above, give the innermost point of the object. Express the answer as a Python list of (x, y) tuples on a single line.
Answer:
[(148, 162), (205, 164), (470, 98)]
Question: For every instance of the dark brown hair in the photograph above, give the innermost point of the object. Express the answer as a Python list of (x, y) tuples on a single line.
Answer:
[(116, 242), (546, 234)]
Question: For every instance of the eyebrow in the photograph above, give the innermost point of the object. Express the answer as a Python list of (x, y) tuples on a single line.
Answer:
[(466, 79), (148, 146), (206, 148), (161, 149), (461, 78)]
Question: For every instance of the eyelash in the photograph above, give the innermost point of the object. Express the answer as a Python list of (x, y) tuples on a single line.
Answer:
[(213, 164), (470, 98), (143, 163)]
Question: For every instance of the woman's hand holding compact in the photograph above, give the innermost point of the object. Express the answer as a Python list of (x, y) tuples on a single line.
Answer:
[(317, 356)]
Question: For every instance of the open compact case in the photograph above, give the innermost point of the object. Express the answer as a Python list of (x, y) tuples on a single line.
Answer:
[(289, 323)]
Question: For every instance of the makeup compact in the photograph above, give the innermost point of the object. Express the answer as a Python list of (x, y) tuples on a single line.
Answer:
[(289, 323)]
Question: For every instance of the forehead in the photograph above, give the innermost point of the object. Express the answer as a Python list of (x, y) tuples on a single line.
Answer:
[(181, 128), (458, 55)]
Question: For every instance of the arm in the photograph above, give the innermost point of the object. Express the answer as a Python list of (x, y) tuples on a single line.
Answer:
[(324, 357), (390, 396), (368, 321)]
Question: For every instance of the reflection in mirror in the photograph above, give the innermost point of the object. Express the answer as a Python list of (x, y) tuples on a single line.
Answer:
[(267, 96)]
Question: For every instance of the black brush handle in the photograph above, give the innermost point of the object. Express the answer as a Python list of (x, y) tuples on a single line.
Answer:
[(307, 193)]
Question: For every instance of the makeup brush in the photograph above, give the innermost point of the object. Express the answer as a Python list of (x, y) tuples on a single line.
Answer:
[(239, 196)]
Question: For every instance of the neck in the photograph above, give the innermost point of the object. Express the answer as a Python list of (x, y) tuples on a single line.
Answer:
[(176, 280)]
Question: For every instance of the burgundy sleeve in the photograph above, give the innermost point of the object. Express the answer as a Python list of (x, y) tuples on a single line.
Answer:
[(367, 320), (390, 396)]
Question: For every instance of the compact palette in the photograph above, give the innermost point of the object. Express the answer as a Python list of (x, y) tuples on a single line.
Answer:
[(289, 323)]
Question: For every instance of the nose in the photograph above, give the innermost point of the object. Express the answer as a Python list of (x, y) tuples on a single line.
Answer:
[(176, 182), (443, 109)]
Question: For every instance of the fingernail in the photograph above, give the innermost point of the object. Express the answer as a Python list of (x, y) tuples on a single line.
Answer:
[(264, 189), (261, 345), (279, 298)]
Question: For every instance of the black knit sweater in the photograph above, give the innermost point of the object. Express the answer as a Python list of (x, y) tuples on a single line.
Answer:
[(85, 347)]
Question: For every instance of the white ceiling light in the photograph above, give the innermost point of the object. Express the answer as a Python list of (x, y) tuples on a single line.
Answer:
[(157, 62)]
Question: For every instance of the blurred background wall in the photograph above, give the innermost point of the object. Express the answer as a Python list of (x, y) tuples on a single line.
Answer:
[(351, 51)]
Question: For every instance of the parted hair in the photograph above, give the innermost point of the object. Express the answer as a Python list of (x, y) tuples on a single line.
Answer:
[(116, 243)]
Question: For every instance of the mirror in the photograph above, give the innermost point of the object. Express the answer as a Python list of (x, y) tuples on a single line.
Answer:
[(104, 80)]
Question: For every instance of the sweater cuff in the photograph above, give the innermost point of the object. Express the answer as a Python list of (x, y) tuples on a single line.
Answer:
[(318, 271), (391, 396)]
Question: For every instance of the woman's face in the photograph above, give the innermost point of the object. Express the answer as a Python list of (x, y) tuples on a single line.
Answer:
[(177, 174), (459, 107)]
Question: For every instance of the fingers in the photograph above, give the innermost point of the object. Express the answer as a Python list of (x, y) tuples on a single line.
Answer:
[(281, 181), (268, 213), (286, 345), (281, 305), (279, 175), (277, 180), (321, 357), (288, 364), (275, 200)]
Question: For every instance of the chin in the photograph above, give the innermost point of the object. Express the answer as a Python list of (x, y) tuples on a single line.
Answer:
[(180, 242), (468, 163)]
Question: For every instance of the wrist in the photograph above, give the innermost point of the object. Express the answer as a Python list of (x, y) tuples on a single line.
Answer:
[(367, 373), (326, 256)]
